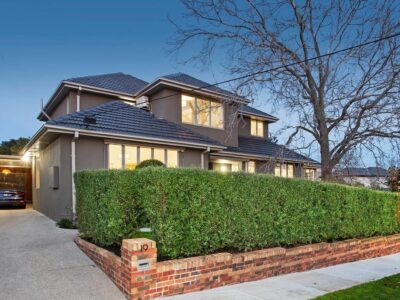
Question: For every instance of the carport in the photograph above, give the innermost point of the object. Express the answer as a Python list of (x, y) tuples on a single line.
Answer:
[(15, 173)]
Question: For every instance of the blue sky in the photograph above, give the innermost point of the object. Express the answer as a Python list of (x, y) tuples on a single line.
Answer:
[(43, 42)]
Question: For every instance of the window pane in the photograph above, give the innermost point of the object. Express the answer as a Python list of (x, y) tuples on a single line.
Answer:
[(284, 170), (290, 171), (188, 111), (172, 157), (145, 153), (130, 157), (203, 112), (260, 128), (217, 115), (253, 127), (278, 170), (251, 167), (159, 154), (114, 156)]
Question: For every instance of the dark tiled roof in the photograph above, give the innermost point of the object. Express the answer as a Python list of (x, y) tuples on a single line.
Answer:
[(364, 172), (253, 111), (187, 79), (121, 118), (261, 147), (118, 82)]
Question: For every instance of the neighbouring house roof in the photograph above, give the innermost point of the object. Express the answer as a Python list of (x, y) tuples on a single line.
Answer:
[(265, 148), (120, 118), (363, 172), (251, 111), (118, 82)]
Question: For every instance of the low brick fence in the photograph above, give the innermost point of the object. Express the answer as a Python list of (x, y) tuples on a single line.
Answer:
[(138, 274)]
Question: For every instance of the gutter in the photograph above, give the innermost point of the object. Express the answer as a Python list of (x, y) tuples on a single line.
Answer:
[(102, 134), (240, 155), (272, 119)]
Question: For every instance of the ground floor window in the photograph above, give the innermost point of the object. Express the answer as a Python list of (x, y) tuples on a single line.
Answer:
[(309, 174), (251, 167), (284, 170), (224, 165), (129, 156)]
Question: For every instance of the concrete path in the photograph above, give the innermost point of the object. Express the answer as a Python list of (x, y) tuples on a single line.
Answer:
[(40, 261), (304, 285)]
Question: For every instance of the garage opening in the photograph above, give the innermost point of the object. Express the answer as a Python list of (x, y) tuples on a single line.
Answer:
[(16, 174)]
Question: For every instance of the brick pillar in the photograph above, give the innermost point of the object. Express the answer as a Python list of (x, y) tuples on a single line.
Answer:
[(139, 265)]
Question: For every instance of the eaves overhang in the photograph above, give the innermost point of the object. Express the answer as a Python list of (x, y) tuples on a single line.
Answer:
[(160, 82), (264, 157), (102, 134)]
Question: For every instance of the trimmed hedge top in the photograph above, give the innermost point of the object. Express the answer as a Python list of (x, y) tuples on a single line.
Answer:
[(195, 212)]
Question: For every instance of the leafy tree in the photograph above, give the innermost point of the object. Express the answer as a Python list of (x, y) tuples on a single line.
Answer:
[(13, 146)]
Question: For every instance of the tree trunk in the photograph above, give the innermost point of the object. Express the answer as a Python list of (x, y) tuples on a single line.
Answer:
[(326, 168)]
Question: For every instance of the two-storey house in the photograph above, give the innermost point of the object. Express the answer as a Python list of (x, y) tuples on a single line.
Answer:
[(115, 121)]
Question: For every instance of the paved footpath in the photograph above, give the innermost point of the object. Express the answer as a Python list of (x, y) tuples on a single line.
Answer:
[(40, 261), (304, 285)]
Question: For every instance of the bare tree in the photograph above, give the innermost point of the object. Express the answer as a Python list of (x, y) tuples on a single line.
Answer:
[(341, 101)]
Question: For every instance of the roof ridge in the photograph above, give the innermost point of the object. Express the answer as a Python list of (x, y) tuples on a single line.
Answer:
[(97, 75)]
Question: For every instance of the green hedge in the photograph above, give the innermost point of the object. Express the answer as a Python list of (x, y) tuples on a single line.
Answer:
[(197, 212)]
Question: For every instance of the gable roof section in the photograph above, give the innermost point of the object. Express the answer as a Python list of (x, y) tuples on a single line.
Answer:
[(251, 111), (120, 118), (190, 80), (191, 84), (118, 82), (266, 148)]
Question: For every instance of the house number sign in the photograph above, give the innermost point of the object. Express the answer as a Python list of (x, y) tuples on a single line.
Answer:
[(144, 248)]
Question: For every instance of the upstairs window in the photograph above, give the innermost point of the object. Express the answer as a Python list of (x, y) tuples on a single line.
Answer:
[(202, 112), (257, 128)]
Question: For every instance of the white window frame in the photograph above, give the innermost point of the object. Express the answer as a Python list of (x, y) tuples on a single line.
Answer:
[(138, 154), (196, 112), (256, 121)]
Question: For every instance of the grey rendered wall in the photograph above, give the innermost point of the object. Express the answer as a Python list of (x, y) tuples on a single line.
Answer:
[(87, 100), (244, 127), (55, 203), (191, 158), (90, 153), (170, 109)]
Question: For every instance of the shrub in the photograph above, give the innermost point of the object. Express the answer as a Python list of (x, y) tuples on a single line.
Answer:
[(106, 207), (66, 224), (150, 163), (194, 212)]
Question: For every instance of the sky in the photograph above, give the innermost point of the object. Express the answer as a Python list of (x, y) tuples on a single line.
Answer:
[(43, 42)]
